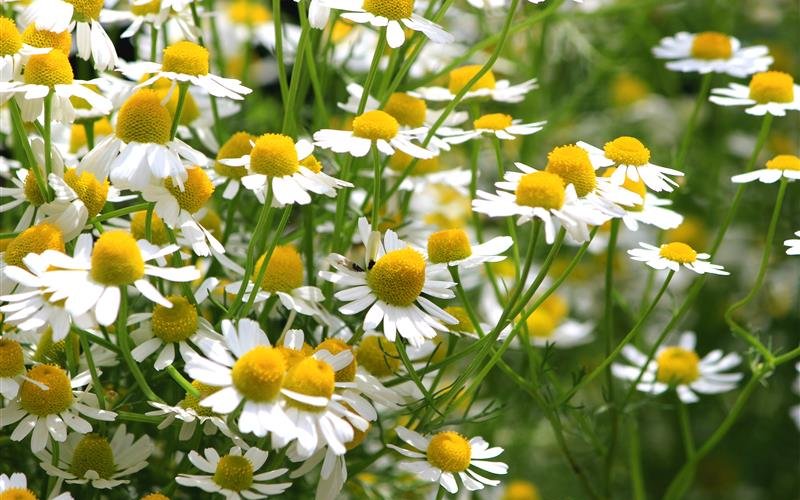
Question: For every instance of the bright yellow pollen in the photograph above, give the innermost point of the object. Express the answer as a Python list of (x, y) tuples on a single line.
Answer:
[(143, 119), (398, 277), (197, 190), (91, 192), (678, 252), (784, 162), (284, 271), (772, 86), (711, 45), (10, 38), (93, 453), (638, 187), (155, 496), (47, 39), (459, 78), (190, 111), (17, 494), (378, 356), (375, 125), (409, 111), (258, 374), (186, 58), (234, 472), (493, 121), (53, 400), (520, 490), (541, 323), (460, 314), (448, 246), (251, 13), (116, 259), (335, 346), (236, 146), (541, 189), (192, 402), (572, 164), (274, 155), (48, 69), (77, 137), (627, 151), (176, 323), (390, 9), (36, 239), (677, 365), (310, 377), (449, 451), (86, 10), (400, 161), (158, 231), (12, 362), (152, 7), (312, 163)]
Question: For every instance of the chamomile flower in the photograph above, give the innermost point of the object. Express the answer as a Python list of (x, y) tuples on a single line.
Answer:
[(781, 166), (234, 475), (374, 128), (12, 367), (652, 211), (449, 458), (486, 86), (424, 175), (712, 52), (16, 487), (237, 145), (390, 286), (631, 160), (793, 244), (14, 49), (674, 255), (452, 248), (679, 367), (78, 198), (499, 125), (48, 402), (550, 324), (395, 16), (772, 92)]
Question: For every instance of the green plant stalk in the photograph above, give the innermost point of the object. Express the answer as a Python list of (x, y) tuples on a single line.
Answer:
[(181, 380), (688, 132), (686, 428), (48, 135), (279, 59), (121, 211), (98, 388), (377, 177), (124, 343), (183, 89), (635, 460), (608, 333)]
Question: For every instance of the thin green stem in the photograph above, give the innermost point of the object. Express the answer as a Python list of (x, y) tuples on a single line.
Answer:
[(181, 380), (183, 89), (376, 188), (686, 428), (124, 342), (688, 132)]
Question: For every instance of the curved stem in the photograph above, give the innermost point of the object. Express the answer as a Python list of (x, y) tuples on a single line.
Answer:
[(183, 89), (124, 341), (688, 132)]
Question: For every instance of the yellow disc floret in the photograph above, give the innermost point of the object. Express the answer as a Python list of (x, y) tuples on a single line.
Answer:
[(284, 271), (312, 163), (116, 259), (91, 192), (459, 78), (449, 451), (248, 12), (408, 110), (151, 7), (176, 323), (187, 58), (627, 151), (17, 494), (12, 361), (310, 377), (44, 39), (93, 453), (375, 125), (335, 346), (274, 155), (294, 356), (541, 189), (155, 496), (784, 162), (234, 472), (36, 239), (192, 402), (143, 119), (390, 9), (398, 277), (38, 400), (541, 323), (634, 186), (572, 164), (10, 38), (772, 86), (158, 230), (259, 373), (86, 10), (77, 136), (238, 145), (677, 365), (197, 190), (711, 45), (448, 245), (493, 121), (190, 111), (678, 252), (464, 322), (48, 69), (378, 356), (627, 89), (31, 189), (400, 161), (520, 490)]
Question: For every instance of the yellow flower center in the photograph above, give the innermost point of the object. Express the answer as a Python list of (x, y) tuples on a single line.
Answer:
[(400, 161), (459, 78), (186, 58), (541, 189), (284, 270), (390, 9), (77, 136), (772, 86), (32, 192), (408, 110), (335, 346), (274, 155), (375, 125), (213, 223), (12, 362), (398, 277), (176, 323), (54, 353), (572, 164), (678, 252), (158, 231), (259, 373), (312, 163), (237, 146), (711, 45), (448, 246), (48, 69), (143, 119), (93, 453), (627, 151), (634, 186), (784, 162), (51, 401), (556, 306), (541, 323), (358, 438), (192, 402), (116, 259), (234, 473), (248, 12), (464, 323), (17, 494), (36, 239), (310, 377), (378, 356), (521, 490), (155, 496), (449, 451), (91, 192), (197, 190), (628, 89), (47, 39), (10, 38), (493, 121), (146, 8), (190, 111), (294, 356), (677, 365), (86, 10)]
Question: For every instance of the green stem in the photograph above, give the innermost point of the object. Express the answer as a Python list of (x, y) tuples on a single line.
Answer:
[(181, 380), (688, 132), (48, 136), (608, 333), (124, 343), (376, 187), (279, 60), (98, 388), (635, 461), (183, 89), (121, 211), (686, 428)]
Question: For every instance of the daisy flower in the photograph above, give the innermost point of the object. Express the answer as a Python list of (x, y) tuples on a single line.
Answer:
[(12, 367), (48, 402), (679, 367), (631, 160), (452, 247), (652, 211), (674, 255), (793, 244), (427, 174), (499, 125), (234, 475), (14, 49), (772, 92), (486, 86), (78, 198), (787, 166), (16, 486), (549, 324), (712, 52), (391, 285), (448, 455), (92, 277), (396, 16), (374, 128), (238, 145)]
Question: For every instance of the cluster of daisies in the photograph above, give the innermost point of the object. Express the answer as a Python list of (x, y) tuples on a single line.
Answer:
[(259, 306)]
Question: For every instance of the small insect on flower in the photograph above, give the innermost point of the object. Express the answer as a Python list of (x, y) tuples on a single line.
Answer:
[(486, 86), (674, 255), (772, 92), (712, 52), (781, 166), (15, 487)]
